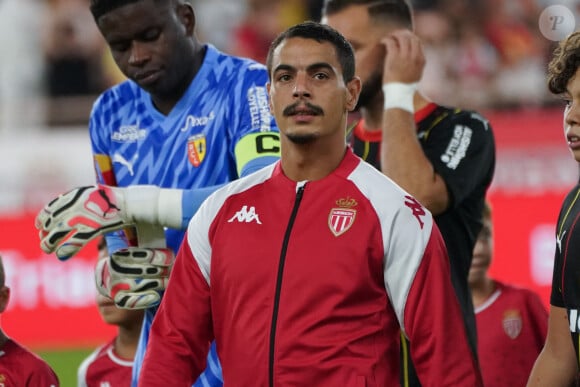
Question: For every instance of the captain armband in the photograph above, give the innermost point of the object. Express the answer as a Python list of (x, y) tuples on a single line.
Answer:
[(255, 145)]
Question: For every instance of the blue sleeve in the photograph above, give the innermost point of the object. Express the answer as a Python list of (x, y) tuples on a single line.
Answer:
[(192, 199), (257, 164), (252, 128)]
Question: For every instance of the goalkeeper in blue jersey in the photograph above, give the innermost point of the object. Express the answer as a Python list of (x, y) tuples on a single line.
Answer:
[(188, 117)]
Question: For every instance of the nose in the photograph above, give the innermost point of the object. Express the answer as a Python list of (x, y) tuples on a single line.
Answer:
[(301, 88), (139, 54)]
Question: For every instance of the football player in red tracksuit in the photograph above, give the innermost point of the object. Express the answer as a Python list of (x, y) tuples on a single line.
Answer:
[(304, 272), (19, 366)]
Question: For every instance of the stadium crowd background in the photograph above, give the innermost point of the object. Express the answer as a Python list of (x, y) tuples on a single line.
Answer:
[(488, 55), (480, 54)]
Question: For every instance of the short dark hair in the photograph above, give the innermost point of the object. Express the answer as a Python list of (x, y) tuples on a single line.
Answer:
[(564, 63), (320, 33), (101, 7), (398, 12)]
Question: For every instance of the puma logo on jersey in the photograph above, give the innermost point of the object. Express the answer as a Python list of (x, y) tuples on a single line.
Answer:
[(559, 241), (118, 158), (478, 117), (246, 215)]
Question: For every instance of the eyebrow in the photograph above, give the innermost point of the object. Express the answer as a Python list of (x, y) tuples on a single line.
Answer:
[(314, 66)]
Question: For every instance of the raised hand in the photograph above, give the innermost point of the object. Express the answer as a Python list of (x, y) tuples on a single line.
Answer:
[(70, 221), (135, 277), (405, 60)]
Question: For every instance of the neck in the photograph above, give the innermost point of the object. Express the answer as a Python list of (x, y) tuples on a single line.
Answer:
[(312, 161), (126, 342), (373, 114), (166, 103), (482, 290)]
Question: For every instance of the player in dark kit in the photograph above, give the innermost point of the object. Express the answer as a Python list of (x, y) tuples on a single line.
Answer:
[(443, 156), (558, 363)]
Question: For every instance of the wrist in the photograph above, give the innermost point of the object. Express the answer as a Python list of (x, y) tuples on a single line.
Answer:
[(399, 95), (150, 204)]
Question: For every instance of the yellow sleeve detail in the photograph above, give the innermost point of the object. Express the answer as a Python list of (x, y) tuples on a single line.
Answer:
[(256, 145)]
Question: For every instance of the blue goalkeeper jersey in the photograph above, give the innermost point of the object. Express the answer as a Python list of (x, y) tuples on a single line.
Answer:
[(219, 130)]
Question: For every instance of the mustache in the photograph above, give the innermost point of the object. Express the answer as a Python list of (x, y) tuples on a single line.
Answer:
[(292, 109)]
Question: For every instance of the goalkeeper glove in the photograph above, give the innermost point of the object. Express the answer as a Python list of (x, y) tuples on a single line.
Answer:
[(71, 220), (134, 278)]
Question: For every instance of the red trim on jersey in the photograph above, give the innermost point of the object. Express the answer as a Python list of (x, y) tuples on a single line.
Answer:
[(366, 134), (375, 135), (424, 112)]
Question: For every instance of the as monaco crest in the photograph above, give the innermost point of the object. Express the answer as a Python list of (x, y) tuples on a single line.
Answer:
[(512, 323), (196, 148), (341, 219)]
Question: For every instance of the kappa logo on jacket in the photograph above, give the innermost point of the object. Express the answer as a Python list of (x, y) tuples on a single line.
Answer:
[(246, 215), (417, 208)]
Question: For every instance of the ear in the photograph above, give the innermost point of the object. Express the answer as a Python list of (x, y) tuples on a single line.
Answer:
[(186, 16), (353, 88), (268, 85), (4, 298)]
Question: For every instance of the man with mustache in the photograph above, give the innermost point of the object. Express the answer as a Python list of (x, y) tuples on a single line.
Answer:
[(305, 271)]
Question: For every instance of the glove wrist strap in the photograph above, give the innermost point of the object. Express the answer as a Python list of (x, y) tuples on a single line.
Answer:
[(153, 205)]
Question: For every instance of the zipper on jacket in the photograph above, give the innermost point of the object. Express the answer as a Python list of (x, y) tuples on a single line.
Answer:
[(297, 201)]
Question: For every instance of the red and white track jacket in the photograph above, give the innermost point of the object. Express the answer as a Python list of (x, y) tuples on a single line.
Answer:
[(308, 285)]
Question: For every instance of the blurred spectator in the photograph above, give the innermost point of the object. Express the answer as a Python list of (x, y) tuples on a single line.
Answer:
[(263, 21), (435, 30), (261, 24), (474, 67), (481, 53), (73, 52), (484, 54), (21, 65), (512, 27), (216, 20)]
